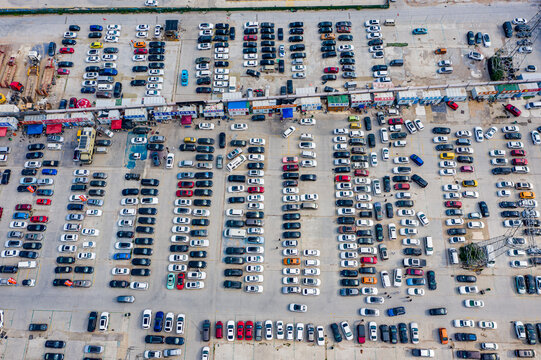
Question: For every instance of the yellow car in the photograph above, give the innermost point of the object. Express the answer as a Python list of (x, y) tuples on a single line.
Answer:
[(96, 45), (139, 44), (369, 280), (189, 140), (355, 125), (447, 156), (527, 195), (469, 183)]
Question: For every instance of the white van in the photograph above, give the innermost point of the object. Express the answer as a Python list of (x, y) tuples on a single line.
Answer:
[(400, 143), (389, 22), (27, 264), (102, 150), (384, 135), (453, 256), (234, 233), (3, 159), (290, 130), (392, 231), (385, 279), (5, 149), (429, 245), (251, 25), (235, 163), (397, 277), (105, 87), (234, 212), (533, 105), (308, 154)]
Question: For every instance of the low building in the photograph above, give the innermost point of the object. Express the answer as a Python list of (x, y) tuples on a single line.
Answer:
[(455, 94), (213, 110), (483, 92), (337, 102), (190, 110), (137, 115), (360, 101), (383, 98), (238, 108), (408, 97), (507, 91), (263, 106), (529, 89), (310, 103), (8, 122), (431, 97), (107, 117)]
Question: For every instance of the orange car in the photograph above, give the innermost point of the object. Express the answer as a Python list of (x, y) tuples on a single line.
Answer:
[(291, 261), (369, 280), (327, 36), (139, 44), (443, 335)]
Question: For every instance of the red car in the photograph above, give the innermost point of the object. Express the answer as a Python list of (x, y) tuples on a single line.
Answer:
[(453, 204), (43, 201), (361, 172), (256, 189), (519, 162), (368, 260), (518, 153), (416, 272), (39, 219), (513, 110), (250, 37), (180, 281), (23, 207), (219, 330), (453, 105), (240, 330), (402, 186), (66, 50), (342, 178), (331, 70), (396, 121), (140, 51), (249, 330), (466, 168), (346, 229), (185, 184), (343, 29), (290, 160), (293, 167), (1, 212), (361, 337), (63, 71), (184, 193)]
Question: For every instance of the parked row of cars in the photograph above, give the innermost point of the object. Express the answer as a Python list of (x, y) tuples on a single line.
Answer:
[(245, 225), (292, 184), (204, 75)]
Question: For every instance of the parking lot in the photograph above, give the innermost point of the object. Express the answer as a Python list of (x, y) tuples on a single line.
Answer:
[(183, 227), (318, 232), (417, 51)]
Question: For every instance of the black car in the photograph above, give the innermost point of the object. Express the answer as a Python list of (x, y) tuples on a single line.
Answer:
[(336, 332), (228, 284), (138, 82), (65, 260), (94, 35), (502, 171), (456, 231), (119, 284), (441, 130), (419, 180), (465, 337), (437, 311), (308, 177), (412, 251), (508, 204), (483, 208), (154, 339), (233, 272), (253, 73), (431, 278), (143, 241), (454, 212), (464, 159), (174, 340), (110, 50), (156, 65), (141, 261)]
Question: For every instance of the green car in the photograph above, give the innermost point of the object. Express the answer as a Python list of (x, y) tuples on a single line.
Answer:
[(170, 281)]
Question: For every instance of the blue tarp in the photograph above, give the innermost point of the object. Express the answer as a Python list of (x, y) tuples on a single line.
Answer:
[(34, 129), (287, 113)]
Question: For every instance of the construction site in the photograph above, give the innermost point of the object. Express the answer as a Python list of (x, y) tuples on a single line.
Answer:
[(29, 77)]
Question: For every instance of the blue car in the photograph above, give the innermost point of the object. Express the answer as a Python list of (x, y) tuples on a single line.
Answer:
[(158, 321), (20, 215), (417, 160), (96, 28), (400, 310), (122, 256), (88, 90), (184, 78), (415, 281), (420, 31), (49, 172)]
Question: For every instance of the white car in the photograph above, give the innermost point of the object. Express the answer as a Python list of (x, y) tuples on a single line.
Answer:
[(254, 288), (460, 323), (440, 139), (475, 225), (250, 63), (346, 330), (205, 126), (179, 329), (447, 172), (239, 127), (309, 197), (405, 212), (135, 285), (472, 303), (308, 121), (141, 34), (120, 271), (520, 331), (464, 290), (138, 140), (490, 132), (193, 285), (90, 232), (416, 291), (487, 324), (463, 134), (518, 264), (474, 55), (147, 319), (515, 145), (497, 153)]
